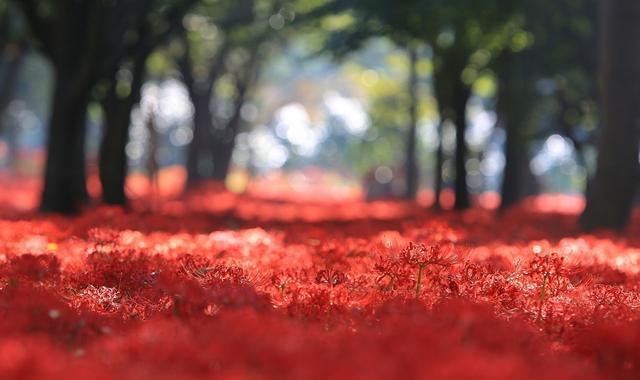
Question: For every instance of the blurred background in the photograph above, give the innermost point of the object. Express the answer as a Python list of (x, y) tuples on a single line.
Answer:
[(461, 101)]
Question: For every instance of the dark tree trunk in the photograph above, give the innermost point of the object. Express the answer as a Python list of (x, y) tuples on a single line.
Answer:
[(65, 179), (461, 97), (511, 191), (10, 75), (200, 159), (8, 89), (411, 164), (224, 139), (611, 194), (72, 40), (514, 107), (452, 96), (222, 153), (568, 130), (439, 161), (113, 156), (443, 98), (199, 150), (84, 40)]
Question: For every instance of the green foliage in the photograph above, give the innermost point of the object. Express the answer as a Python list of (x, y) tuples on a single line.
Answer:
[(388, 101)]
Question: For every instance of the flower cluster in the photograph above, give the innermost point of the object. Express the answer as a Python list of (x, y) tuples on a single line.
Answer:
[(185, 295)]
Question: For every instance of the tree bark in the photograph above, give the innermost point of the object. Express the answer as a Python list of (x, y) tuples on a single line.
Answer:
[(201, 93), (65, 179), (199, 150), (610, 199), (462, 93), (223, 142), (84, 40), (72, 40), (222, 153), (8, 87), (411, 164), (452, 96), (113, 156), (113, 160), (10, 74), (439, 161), (442, 91), (514, 108), (511, 191), (224, 139)]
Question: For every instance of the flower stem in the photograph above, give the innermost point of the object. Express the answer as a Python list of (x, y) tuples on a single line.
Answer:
[(542, 296), (419, 280)]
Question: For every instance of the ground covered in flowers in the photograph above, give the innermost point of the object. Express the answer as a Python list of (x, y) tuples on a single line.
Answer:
[(272, 289)]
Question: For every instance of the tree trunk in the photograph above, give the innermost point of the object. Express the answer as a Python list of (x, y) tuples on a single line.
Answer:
[(568, 130), (224, 142), (611, 194), (224, 139), (65, 174), (8, 88), (411, 164), (222, 159), (512, 191), (199, 151), (83, 39), (113, 156), (10, 75), (201, 93), (514, 106), (439, 161), (452, 96), (442, 91), (462, 93), (73, 42)]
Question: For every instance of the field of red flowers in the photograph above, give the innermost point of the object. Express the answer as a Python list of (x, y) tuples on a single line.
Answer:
[(239, 288)]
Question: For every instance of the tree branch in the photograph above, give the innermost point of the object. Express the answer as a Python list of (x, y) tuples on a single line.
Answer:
[(41, 27)]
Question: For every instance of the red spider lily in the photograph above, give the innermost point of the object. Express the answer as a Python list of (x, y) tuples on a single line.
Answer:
[(330, 277), (113, 294), (391, 273), (420, 256)]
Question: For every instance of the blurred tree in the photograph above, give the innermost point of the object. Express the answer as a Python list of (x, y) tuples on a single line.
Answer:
[(459, 33), (514, 107), (13, 47), (123, 86), (225, 45), (84, 41), (411, 161), (547, 53), (610, 199), (516, 101), (201, 93), (395, 85), (363, 22)]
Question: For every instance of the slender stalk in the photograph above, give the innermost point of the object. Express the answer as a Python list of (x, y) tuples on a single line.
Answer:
[(418, 285), (543, 295)]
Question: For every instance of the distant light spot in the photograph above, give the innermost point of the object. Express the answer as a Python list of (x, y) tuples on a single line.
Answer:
[(276, 21), (134, 150), (181, 136), (370, 78), (383, 174)]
